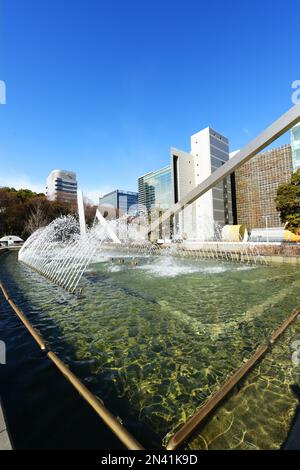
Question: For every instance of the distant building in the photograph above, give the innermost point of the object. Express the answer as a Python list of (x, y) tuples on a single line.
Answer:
[(256, 184), (11, 240), (295, 144), (62, 186), (209, 151), (119, 202), (155, 190)]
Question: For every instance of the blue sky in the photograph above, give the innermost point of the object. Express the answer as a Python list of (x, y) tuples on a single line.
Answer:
[(104, 88)]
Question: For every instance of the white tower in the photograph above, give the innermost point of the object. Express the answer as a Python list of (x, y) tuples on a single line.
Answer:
[(209, 151)]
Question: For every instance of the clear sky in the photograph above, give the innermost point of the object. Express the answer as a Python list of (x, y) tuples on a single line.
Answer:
[(104, 88)]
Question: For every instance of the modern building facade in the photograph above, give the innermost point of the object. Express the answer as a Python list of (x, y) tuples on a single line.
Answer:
[(162, 188), (295, 145), (122, 202), (62, 186), (155, 190), (209, 151), (256, 184)]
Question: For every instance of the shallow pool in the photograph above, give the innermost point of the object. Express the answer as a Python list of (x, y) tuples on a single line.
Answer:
[(155, 337)]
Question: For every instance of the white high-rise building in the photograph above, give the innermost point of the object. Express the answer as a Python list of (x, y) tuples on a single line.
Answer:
[(209, 151), (62, 186)]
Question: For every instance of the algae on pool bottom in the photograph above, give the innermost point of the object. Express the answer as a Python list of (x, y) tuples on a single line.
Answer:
[(156, 339), (258, 415)]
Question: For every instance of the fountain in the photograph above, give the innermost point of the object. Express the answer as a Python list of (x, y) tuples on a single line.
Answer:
[(159, 328), (63, 250), (63, 257), (60, 252)]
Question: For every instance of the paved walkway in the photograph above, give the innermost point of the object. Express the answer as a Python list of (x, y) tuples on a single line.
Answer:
[(4, 437)]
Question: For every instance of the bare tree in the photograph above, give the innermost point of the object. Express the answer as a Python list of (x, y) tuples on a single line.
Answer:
[(37, 218)]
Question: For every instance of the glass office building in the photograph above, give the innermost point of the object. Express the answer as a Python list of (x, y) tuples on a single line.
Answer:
[(156, 189), (125, 201), (295, 144)]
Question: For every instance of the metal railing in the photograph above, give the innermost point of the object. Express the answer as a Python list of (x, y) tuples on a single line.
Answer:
[(107, 417)]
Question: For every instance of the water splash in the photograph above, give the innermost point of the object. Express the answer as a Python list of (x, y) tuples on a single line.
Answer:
[(61, 254)]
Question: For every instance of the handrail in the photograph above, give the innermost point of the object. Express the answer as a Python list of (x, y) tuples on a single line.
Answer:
[(107, 417), (197, 418)]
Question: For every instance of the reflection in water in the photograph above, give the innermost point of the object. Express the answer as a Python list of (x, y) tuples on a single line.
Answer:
[(155, 337)]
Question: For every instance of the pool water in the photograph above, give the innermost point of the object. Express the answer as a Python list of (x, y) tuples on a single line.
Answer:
[(154, 337), (260, 411)]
